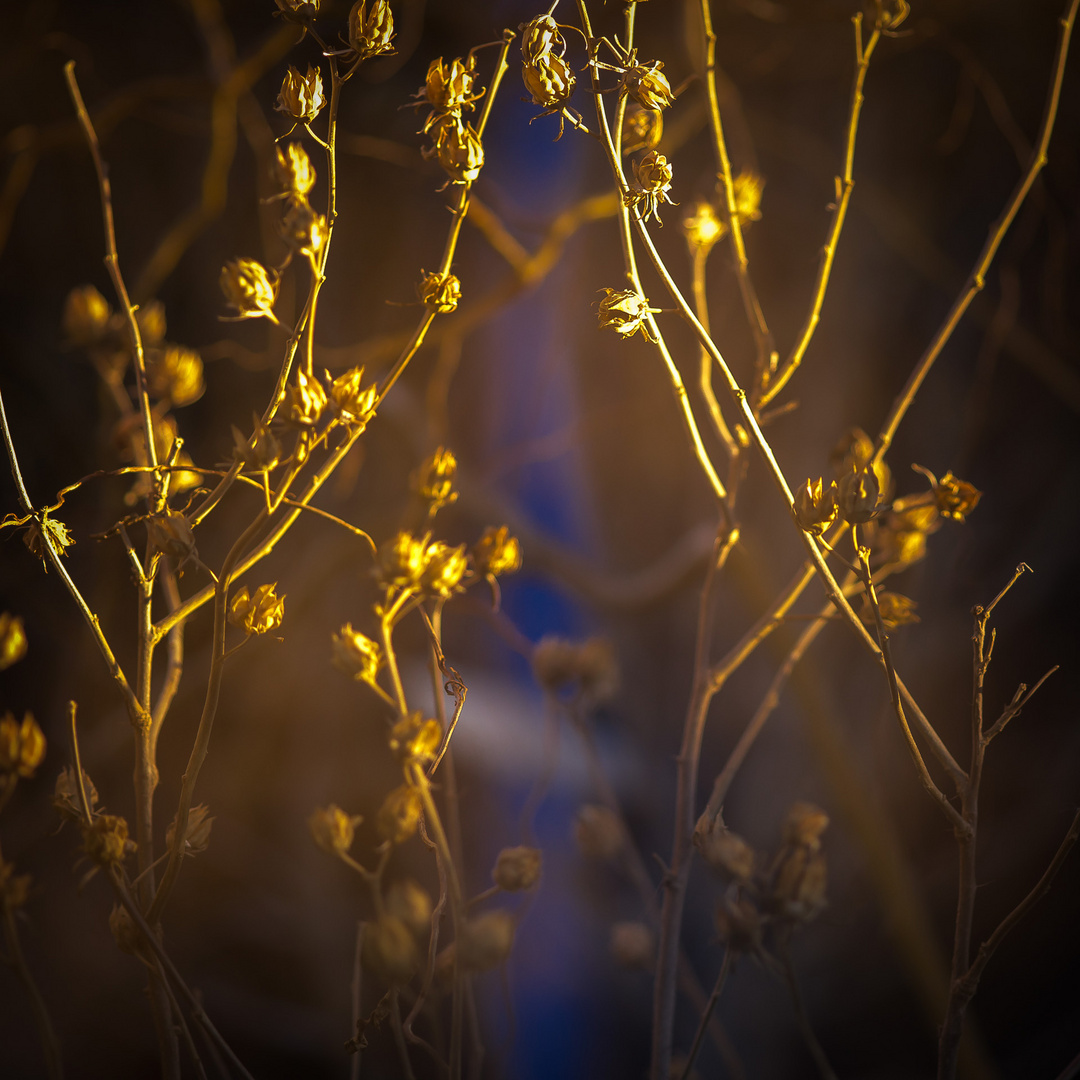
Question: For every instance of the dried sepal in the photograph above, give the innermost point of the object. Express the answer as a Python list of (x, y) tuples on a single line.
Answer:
[(13, 643), (258, 612), (44, 533), (197, 833), (262, 451), (22, 745), (333, 830), (301, 96)]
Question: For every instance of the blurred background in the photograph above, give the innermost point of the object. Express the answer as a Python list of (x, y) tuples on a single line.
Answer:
[(572, 437)]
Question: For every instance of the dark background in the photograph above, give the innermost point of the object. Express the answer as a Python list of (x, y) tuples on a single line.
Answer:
[(573, 437)]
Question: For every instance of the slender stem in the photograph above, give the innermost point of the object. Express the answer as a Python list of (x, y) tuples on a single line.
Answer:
[(699, 258), (706, 1015), (811, 1040)]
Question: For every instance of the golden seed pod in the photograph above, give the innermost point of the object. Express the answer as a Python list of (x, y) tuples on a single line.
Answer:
[(956, 498), (459, 150), (739, 925), (748, 188), (175, 373), (306, 400), (197, 833), (407, 901), (633, 945), (86, 316), (433, 481), (294, 171), (303, 230), (624, 311), (389, 950), (403, 559), (258, 612), (248, 289), (66, 797), (446, 566), (648, 85), (333, 830), (895, 608), (598, 832), (356, 401), (727, 853), (22, 745), (815, 506), (371, 32), (803, 824), (550, 80), (356, 655), (414, 738), (486, 941), (702, 225), (449, 87), (399, 815), (441, 292), (540, 37), (266, 451), (497, 552), (857, 496), (642, 129), (13, 644), (14, 888), (301, 96), (106, 841), (47, 532), (517, 868), (652, 182), (171, 534), (855, 450)]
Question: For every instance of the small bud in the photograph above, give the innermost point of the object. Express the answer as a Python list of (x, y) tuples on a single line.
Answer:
[(633, 945), (356, 655), (497, 552), (249, 289), (446, 566), (895, 608), (486, 941), (648, 86), (176, 373), (171, 534), (441, 292), (371, 32), (86, 316), (405, 900), (106, 841), (399, 815), (301, 96), (197, 833), (303, 230), (412, 738), (702, 226), (857, 496), (517, 868), (815, 506), (306, 400), (22, 745), (294, 171), (333, 830), (389, 950), (642, 129), (356, 401), (598, 832), (258, 613), (625, 312), (748, 188), (13, 644)]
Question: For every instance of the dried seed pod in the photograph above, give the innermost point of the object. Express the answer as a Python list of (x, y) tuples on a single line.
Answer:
[(399, 815), (265, 454), (306, 400), (798, 891), (446, 567), (599, 833), (803, 824), (648, 85), (171, 534), (449, 87), (356, 401), (739, 924), (895, 609), (257, 613), (858, 495), (301, 96), (414, 738), (459, 150), (642, 129), (433, 481), (441, 292), (86, 316), (47, 532), (249, 289), (517, 868), (551, 82), (815, 506), (298, 11), (540, 38), (652, 182), (13, 644), (403, 559), (407, 901), (633, 945), (486, 941), (294, 171), (371, 32), (303, 230), (105, 839), (497, 552), (357, 655), (332, 829), (389, 950), (66, 797), (625, 311), (727, 853), (748, 188), (175, 373), (702, 226), (22, 745)]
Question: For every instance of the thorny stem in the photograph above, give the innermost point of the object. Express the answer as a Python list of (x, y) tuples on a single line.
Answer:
[(844, 185)]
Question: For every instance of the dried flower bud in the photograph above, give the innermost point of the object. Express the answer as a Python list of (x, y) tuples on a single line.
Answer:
[(459, 150), (439, 291), (306, 400), (124, 931), (855, 451), (748, 188), (857, 496), (955, 498), (171, 534), (403, 559), (22, 745), (517, 868), (298, 11), (815, 506), (357, 655), (486, 941), (598, 832), (588, 668), (12, 639), (48, 532), (266, 451), (727, 853), (803, 824), (434, 480), (14, 888), (652, 182), (66, 797), (798, 891), (371, 33), (176, 373), (895, 608), (407, 901), (497, 552), (642, 129), (399, 815), (249, 289), (648, 85), (540, 37), (197, 832), (412, 738), (257, 613), (356, 401), (446, 566), (625, 311), (333, 830), (551, 81), (106, 841), (633, 945), (739, 924), (86, 316), (303, 230), (294, 171), (152, 323), (301, 96), (702, 226), (389, 950), (449, 88)]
